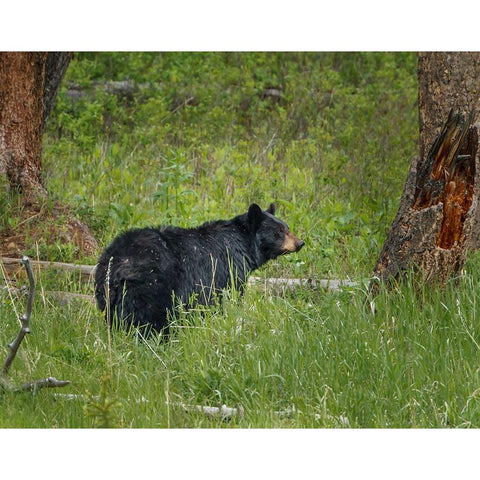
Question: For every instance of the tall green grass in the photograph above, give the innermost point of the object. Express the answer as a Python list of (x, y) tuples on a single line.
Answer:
[(300, 359)]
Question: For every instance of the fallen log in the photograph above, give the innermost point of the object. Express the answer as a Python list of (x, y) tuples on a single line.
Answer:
[(86, 273)]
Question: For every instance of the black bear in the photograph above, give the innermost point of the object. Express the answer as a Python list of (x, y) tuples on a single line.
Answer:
[(149, 269)]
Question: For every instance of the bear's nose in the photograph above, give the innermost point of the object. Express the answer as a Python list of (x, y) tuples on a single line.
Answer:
[(299, 245)]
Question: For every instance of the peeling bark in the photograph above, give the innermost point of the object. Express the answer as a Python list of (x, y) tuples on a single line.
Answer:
[(436, 217), (447, 80)]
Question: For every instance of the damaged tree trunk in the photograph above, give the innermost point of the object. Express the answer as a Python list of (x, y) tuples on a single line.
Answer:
[(447, 80), (436, 218)]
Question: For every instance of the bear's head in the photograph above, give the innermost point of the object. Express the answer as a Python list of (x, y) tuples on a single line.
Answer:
[(273, 236)]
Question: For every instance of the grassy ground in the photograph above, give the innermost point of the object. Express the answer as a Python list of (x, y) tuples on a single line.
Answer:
[(200, 138)]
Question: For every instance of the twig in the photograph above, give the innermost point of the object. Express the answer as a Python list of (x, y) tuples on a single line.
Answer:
[(24, 320), (13, 346)]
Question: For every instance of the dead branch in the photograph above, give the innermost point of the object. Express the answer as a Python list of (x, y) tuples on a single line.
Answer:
[(63, 298), (24, 320), (13, 346), (223, 412), (333, 285), (87, 272), (49, 382)]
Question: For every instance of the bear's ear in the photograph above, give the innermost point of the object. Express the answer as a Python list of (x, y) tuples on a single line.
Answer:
[(255, 216), (271, 209)]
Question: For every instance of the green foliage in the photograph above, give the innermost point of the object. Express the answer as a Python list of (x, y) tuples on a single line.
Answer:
[(198, 137), (101, 408)]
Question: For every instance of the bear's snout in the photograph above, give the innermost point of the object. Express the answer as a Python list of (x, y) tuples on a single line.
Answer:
[(291, 243)]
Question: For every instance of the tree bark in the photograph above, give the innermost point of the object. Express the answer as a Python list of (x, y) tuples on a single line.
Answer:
[(436, 217), (29, 82), (446, 80), (22, 79), (57, 63)]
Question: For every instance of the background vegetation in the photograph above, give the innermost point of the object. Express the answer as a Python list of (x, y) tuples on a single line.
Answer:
[(145, 138)]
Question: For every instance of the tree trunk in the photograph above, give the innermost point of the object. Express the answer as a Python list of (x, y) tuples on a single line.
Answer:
[(438, 220), (29, 82), (446, 80), (436, 217), (22, 78), (57, 63)]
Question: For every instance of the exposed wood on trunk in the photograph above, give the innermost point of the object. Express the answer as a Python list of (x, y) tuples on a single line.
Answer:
[(447, 80), (437, 209)]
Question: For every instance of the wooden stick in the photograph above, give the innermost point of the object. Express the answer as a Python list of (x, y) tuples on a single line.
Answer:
[(24, 320), (223, 412), (49, 382), (13, 346)]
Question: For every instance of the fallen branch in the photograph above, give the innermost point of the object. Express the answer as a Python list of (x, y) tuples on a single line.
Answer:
[(87, 272), (223, 412), (24, 320), (13, 346), (334, 285), (62, 297), (49, 382)]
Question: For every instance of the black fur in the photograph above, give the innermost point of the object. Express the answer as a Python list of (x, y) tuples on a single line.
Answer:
[(148, 267)]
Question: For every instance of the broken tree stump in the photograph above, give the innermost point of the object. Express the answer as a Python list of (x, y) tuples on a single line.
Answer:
[(435, 222)]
